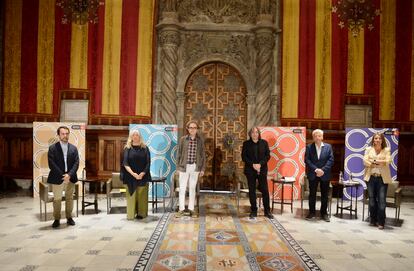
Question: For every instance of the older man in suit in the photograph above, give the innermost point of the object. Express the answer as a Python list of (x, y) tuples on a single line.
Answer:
[(63, 161), (319, 160)]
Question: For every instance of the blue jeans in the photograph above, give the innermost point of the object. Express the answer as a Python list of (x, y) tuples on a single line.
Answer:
[(377, 192)]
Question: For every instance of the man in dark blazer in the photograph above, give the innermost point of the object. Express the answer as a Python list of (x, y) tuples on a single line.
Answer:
[(255, 154), (319, 160), (63, 161)]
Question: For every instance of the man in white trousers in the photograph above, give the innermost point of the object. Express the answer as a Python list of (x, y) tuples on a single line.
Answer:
[(191, 163)]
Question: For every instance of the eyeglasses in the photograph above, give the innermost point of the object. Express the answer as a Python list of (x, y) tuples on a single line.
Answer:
[(192, 127)]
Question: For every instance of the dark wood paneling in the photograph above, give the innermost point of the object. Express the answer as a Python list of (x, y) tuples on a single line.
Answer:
[(104, 149), (406, 159), (16, 152)]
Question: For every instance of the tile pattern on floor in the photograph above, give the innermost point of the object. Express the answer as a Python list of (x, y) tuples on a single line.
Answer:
[(26, 242)]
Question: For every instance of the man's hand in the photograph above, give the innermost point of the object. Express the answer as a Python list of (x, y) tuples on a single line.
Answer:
[(66, 178), (319, 172), (201, 173), (257, 167)]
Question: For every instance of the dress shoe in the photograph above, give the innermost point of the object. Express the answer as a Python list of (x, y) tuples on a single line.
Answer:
[(140, 217), (326, 218), (310, 216), (56, 223), (70, 222), (253, 215), (269, 215)]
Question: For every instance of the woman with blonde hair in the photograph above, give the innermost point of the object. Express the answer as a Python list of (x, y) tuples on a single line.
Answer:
[(137, 163), (377, 161)]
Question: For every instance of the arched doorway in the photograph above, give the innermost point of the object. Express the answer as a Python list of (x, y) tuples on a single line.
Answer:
[(215, 96)]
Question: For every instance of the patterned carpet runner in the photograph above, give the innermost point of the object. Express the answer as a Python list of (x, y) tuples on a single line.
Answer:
[(220, 240)]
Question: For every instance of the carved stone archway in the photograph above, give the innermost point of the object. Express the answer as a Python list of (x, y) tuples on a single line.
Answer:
[(242, 33)]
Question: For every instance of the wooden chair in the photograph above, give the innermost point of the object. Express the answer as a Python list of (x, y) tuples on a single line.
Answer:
[(393, 200), (175, 190), (46, 196), (115, 188), (242, 189)]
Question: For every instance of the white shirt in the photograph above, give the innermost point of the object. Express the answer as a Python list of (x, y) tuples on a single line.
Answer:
[(65, 154), (319, 149)]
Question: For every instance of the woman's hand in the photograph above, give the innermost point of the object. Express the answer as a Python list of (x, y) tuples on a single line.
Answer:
[(135, 175), (140, 176)]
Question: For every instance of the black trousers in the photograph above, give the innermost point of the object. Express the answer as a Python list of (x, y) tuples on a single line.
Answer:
[(261, 180), (313, 187)]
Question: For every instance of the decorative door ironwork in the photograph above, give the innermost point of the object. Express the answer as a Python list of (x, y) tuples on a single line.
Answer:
[(216, 98)]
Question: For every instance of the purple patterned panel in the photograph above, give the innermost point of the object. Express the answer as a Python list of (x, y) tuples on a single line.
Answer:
[(356, 141)]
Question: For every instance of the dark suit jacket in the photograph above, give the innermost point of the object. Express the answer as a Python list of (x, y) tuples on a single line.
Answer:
[(325, 161), (249, 157), (57, 163)]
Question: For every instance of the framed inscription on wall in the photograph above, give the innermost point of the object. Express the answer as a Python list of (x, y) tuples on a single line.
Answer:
[(74, 111)]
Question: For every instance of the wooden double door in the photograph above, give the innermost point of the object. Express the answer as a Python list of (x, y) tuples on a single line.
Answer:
[(216, 98)]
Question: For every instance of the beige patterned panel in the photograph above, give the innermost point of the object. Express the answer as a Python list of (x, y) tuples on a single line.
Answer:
[(216, 98), (44, 135)]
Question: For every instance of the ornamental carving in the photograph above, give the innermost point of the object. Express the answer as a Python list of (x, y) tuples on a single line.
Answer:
[(199, 111), (231, 113), (231, 83), (234, 46), (169, 37), (218, 11), (200, 83)]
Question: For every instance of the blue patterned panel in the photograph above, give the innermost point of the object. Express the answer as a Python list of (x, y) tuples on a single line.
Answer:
[(162, 142), (356, 141)]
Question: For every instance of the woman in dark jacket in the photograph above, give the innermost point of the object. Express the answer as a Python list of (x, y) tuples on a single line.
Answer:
[(137, 163)]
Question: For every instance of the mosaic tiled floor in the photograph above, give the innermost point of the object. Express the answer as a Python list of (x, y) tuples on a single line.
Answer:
[(221, 240)]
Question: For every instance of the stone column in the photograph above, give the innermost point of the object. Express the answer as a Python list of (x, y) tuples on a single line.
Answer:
[(264, 69), (169, 38)]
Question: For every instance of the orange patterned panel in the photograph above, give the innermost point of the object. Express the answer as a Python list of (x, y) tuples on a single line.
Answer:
[(287, 152)]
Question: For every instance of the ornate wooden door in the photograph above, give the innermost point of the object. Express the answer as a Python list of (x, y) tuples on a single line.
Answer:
[(216, 99)]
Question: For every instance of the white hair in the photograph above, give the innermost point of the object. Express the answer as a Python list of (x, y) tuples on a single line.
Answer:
[(317, 131)]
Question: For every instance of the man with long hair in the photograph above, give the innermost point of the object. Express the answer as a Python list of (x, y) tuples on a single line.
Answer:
[(255, 154)]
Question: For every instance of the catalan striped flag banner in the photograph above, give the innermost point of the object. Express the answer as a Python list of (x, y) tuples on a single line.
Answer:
[(113, 58), (322, 61)]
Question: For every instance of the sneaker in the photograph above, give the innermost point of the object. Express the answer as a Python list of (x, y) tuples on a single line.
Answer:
[(253, 215), (310, 216), (179, 214), (326, 218), (56, 223), (381, 227), (193, 214), (269, 215), (70, 222)]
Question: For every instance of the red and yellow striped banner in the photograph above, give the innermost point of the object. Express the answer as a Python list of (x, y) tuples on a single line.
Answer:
[(112, 59), (322, 62)]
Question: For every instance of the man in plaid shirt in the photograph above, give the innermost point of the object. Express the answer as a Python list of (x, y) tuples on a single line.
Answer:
[(191, 163)]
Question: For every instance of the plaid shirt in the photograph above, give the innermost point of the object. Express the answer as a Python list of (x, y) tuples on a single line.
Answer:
[(192, 148)]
